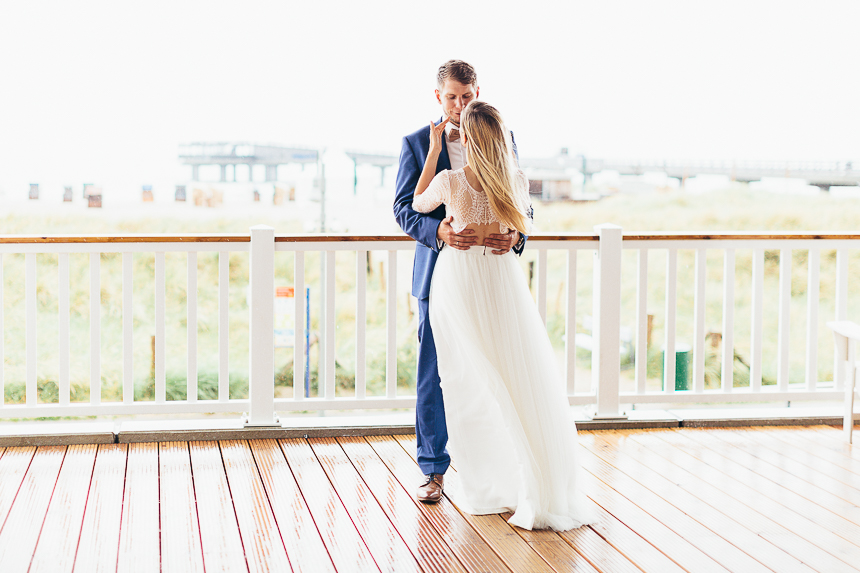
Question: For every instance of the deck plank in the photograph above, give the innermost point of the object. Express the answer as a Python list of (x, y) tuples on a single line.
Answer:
[(779, 484), (219, 536), (61, 530), (832, 439), (18, 540), (13, 468), (418, 534), (264, 549), (181, 548), (757, 478), (345, 546), (774, 456), (796, 453), (791, 436), (677, 511), (382, 538), (305, 547), (99, 543), (139, 543), (470, 548), (770, 520)]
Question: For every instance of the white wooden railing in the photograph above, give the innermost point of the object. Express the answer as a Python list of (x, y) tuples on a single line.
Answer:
[(610, 275)]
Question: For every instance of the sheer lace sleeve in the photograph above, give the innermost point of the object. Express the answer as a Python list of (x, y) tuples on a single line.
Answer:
[(438, 192), (524, 202)]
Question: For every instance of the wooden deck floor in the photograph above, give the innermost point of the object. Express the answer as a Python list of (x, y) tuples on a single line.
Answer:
[(747, 500)]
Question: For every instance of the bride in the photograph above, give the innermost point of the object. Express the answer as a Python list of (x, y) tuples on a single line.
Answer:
[(510, 432)]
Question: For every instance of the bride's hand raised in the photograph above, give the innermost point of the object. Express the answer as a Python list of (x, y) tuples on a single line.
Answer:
[(436, 132)]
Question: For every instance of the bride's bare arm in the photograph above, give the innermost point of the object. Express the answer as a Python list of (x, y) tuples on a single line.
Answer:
[(429, 170)]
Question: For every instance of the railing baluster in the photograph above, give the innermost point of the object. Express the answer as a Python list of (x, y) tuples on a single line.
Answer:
[(812, 293), (299, 357), (331, 326), (360, 323), (2, 337), (757, 313), (128, 328), (223, 326), (191, 331), (95, 329), (841, 306), (728, 358), (541, 284), (699, 303), (642, 322), (669, 359), (570, 324), (30, 306), (64, 320), (784, 338), (391, 321), (160, 344)]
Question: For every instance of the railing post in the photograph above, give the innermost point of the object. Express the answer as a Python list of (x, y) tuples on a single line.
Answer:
[(262, 328), (606, 333)]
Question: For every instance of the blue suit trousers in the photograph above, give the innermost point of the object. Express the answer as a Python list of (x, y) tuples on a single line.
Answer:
[(430, 428)]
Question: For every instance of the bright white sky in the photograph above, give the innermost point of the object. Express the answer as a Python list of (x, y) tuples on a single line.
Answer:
[(105, 90)]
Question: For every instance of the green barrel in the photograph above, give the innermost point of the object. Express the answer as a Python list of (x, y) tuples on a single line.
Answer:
[(683, 361)]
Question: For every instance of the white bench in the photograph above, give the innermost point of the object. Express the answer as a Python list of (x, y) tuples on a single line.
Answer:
[(844, 333)]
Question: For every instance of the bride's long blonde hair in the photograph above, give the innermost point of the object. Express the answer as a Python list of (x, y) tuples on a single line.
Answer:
[(489, 152)]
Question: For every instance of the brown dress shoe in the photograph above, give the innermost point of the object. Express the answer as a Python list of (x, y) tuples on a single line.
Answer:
[(431, 490)]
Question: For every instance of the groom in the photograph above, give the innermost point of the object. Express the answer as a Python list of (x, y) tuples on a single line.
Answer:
[(456, 86)]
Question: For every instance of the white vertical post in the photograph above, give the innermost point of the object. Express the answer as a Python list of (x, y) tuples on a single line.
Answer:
[(30, 337), (299, 357), (223, 326), (728, 358), (321, 327), (642, 322), (331, 326), (570, 324), (261, 345), (669, 359), (812, 293), (606, 359), (160, 344), (784, 338), (127, 328), (541, 284), (95, 329), (699, 302), (360, 323), (391, 321), (757, 313), (841, 294), (64, 321), (191, 329)]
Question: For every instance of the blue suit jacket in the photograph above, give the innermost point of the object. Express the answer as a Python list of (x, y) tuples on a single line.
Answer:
[(422, 226)]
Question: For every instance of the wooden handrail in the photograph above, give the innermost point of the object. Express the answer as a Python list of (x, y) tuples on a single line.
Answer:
[(336, 238)]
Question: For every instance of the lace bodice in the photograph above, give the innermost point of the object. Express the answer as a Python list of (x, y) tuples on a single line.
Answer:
[(465, 204)]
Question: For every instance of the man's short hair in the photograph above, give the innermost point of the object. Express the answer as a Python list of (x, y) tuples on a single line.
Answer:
[(457, 70)]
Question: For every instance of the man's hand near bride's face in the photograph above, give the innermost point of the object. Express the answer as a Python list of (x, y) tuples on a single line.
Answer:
[(501, 243), (460, 241)]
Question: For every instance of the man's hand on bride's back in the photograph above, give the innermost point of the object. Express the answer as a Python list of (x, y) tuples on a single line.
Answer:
[(501, 243), (460, 241)]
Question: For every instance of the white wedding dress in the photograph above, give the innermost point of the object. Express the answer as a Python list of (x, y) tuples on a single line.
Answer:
[(511, 435)]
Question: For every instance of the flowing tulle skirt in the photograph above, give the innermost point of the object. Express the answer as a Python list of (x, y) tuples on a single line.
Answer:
[(511, 435)]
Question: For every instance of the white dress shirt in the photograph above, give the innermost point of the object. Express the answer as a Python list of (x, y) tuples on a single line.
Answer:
[(456, 151)]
